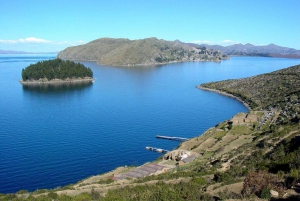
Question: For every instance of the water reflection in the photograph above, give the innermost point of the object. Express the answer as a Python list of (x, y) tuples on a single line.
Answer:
[(54, 88)]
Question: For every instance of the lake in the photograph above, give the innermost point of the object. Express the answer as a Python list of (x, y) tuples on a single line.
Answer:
[(52, 136)]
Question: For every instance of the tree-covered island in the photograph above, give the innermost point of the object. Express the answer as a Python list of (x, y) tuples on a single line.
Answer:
[(56, 70)]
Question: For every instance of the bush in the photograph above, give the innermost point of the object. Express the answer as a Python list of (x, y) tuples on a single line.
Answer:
[(83, 197), (265, 193), (40, 191), (95, 194), (52, 195), (257, 183), (225, 195), (222, 177), (22, 191), (199, 181)]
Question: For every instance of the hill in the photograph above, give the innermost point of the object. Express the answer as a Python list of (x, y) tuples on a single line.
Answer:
[(270, 50), (252, 156), (149, 51)]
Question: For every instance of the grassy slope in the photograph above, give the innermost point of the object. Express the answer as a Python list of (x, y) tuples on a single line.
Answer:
[(264, 139)]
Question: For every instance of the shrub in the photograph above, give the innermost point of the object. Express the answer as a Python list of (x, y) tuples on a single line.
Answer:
[(265, 193), (257, 182), (22, 191), (222, 177), (95, 194), (83, 197), (199, 181), (52, 195)]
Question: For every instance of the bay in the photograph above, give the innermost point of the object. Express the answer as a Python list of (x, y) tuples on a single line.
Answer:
[(52, 136)]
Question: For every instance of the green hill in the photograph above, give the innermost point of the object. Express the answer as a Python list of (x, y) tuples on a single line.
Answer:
[(149, 51)]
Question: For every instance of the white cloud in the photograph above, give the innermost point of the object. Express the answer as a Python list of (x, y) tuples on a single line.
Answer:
[(33, 40), (8, 41), (79, 42), (223, 42), (33, 44), (26, 40), (202, 42), (227, 41), (40, 40)]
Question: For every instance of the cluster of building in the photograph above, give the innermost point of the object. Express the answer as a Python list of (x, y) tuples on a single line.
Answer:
[(181, 156), (267, 115), (291, 108), (243, 118)]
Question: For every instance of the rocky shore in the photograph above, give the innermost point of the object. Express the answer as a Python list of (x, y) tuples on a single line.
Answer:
[(56, 81), (225, 94)]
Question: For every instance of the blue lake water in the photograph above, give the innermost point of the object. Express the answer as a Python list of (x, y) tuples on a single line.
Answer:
[(52, 136)]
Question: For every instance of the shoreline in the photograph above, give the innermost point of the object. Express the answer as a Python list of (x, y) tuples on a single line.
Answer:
[(145, 64), (226, 94), (158, 64), (56, 81)]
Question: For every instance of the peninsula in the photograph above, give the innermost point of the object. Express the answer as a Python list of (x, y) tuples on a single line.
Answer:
[(149, 51), (56, 71)]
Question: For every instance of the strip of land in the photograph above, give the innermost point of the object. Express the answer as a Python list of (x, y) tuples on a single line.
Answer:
[(56, 81)]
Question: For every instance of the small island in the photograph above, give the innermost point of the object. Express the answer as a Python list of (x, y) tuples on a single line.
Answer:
[(56, 71)]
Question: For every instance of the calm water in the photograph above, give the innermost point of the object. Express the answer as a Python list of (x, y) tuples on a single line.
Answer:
[(52, 136)]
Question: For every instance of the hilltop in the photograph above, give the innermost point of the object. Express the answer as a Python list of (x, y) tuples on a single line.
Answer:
[(149, 51), (248, 49), (251, 156)]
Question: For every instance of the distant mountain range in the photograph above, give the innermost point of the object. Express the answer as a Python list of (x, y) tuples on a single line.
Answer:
[(23, 52), (120, 46), (270, 50)]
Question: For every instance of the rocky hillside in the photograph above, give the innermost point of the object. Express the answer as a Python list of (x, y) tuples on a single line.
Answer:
[(149, 51)]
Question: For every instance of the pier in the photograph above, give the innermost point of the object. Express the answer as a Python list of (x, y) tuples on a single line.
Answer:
[(157, 149), (172, 138)]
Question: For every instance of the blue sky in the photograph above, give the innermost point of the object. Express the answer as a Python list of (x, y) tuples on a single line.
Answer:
[(40, 25)]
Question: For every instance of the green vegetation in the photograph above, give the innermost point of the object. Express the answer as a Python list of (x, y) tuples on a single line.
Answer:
[(149, 51), (56, 69), (240, 129)]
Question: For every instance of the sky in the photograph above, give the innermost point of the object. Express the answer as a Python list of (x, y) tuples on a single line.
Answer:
[(53, 25)]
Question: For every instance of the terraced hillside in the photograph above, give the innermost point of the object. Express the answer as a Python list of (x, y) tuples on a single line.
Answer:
[(149, 51)]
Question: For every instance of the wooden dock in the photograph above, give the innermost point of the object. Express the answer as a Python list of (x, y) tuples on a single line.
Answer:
[(172, 138), (157, 149)]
